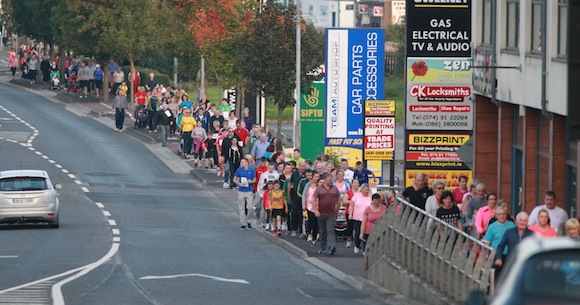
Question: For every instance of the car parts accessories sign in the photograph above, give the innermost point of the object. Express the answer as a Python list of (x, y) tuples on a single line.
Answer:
[(354, 73), (439, 94)]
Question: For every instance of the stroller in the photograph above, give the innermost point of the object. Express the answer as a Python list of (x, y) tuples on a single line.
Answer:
[(341, 224), (140, 117), (54, 80), (72, 84)]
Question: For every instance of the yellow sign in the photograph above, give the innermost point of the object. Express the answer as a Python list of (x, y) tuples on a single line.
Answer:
[(378, 155), (352, 155), (377, 168), (380, 107), (449, 177), (437, 139)]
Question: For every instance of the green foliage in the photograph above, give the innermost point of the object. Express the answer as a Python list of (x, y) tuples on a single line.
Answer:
[(395, 90), (31, 18), (144, 72)]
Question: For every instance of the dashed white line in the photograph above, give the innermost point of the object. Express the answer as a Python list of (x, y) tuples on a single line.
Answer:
[(8, 256), (116, 239), (86, 190), (112, 222), (58, 166), (64, 171), (100, 205), (116, 231), (78, 182), (72, 176), (51, 161), (106, 213)]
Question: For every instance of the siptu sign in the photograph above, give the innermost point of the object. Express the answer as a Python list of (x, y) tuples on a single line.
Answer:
[(438, 28)]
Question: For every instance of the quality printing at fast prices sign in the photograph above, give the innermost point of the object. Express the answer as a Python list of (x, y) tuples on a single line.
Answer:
[(354, 73), (439, 94), (435, 155), (438, 28), (379, 130)]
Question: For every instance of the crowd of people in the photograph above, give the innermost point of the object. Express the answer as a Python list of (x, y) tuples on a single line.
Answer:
[(481, 214)]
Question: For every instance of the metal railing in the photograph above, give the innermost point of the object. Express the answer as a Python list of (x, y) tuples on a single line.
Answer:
[(447, 259)]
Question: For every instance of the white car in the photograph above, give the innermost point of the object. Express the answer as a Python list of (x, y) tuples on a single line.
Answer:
[(28, 196)]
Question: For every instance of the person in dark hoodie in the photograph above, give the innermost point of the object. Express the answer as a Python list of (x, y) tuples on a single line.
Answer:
[(226, 145), (165, 118)]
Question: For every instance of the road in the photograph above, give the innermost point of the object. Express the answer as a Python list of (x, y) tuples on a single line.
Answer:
[(135, 227)]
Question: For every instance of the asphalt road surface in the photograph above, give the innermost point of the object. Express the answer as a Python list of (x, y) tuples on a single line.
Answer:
[(134, 229)]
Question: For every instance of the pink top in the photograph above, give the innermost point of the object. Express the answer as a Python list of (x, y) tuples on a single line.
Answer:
[(309, 201), (482, 219), (551, 232), (372, 217), (458, 195), (360, 203)]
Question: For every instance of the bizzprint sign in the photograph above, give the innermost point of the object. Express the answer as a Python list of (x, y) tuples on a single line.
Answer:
[(438, 28)]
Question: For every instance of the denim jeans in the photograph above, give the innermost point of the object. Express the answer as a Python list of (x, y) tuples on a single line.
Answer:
[(164, 129), (119, 117)]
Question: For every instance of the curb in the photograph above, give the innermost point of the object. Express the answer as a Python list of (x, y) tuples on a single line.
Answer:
[(197, 176)]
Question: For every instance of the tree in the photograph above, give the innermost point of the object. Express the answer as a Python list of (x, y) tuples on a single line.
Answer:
[(268, 55), (113, 28), (31, 18)]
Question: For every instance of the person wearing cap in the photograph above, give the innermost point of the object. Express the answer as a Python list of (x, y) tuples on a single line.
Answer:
[(98, 79), (119, 106)]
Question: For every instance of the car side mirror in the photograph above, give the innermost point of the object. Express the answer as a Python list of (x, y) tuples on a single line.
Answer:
[(57, 186), (475, 298)]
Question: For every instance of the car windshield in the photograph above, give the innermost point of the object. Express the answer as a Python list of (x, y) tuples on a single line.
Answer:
[(19, 184), (552, 274)]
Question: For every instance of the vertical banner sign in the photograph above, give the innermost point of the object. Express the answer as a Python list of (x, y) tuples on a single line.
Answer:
[(312, 118), (379, 130), (439, 107), (355, 69)]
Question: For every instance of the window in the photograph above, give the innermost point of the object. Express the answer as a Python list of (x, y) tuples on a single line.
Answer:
[(562, 28), (486, 25), (536, 38), (512, 24)]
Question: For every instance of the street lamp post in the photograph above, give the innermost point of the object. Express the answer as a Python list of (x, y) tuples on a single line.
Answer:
[(297, 123)]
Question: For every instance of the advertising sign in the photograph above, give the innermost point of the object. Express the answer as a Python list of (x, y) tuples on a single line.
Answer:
[(435, 151), (439, 94), (354, 73), (438, 28), (379, 130), (449, 177), (363, 9), (482, 76), (377, 11), (312, 118)]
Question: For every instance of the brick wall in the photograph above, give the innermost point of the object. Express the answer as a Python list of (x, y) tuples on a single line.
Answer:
[(486, 142)]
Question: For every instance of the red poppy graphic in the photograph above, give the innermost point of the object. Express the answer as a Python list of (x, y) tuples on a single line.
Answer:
[(419, 69)]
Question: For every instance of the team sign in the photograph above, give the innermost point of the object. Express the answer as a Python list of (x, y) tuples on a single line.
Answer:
[(439, 94)]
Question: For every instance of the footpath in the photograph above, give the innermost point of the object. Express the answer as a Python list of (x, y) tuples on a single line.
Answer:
[(344, 265)]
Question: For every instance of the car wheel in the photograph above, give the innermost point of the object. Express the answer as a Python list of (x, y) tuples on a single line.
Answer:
[(54, 224)]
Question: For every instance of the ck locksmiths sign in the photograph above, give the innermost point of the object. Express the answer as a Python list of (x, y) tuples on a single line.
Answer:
[(438, 28)]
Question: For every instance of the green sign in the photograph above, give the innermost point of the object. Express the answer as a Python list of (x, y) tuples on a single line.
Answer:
[(312, 118)]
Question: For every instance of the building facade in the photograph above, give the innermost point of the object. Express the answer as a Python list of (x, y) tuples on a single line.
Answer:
[(521, 145)]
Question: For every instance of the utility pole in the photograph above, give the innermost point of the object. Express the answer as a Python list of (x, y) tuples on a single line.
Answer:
[(297, 123), (175, 71), (202, 86)]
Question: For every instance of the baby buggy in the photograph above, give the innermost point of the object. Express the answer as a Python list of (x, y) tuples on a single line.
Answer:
[(54, 80), (140, 117), (72, 84), (341, 224)]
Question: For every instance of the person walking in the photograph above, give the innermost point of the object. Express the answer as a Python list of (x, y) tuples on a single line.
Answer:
[(234, 158), (244, 178), (370, 215), (164, 117), (359, 202), (325, 200), (119, 106), (278, 208), (199, 136), (186, 125)]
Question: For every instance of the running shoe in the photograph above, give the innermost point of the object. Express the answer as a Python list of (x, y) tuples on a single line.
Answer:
[(226, 185), (331, 251), (356, 249), (348, 243), (321, 250), (249, 226), (242, 228), (309, 237)]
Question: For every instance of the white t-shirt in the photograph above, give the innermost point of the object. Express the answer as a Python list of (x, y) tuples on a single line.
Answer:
[(348, 175), (558, 217)]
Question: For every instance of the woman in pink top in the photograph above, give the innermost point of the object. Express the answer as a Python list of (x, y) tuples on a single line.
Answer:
[(485, 213), (346, 201), (312, 229), (543, 228), (360, 201), (461, 190), (370, 215)]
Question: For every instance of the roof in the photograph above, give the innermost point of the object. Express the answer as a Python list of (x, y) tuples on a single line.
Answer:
[(23, 172)]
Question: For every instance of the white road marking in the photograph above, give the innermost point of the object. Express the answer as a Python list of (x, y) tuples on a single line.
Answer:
[(215, 278), (112, 222), (8, 256), (57, 296), (116, 239), (100, 205), (64, 171), (106, 213), (78, 182), (116, 231), (86, 190), (58, 166), (72, 176), (51, 161)]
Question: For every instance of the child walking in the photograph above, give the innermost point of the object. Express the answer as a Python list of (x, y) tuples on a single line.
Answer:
[(279, 208)]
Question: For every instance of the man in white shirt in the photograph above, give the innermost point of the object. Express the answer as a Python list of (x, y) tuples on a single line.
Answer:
[(558, 216), (348, 174)]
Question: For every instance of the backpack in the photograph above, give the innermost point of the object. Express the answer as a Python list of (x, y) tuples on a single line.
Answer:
[(153, 101)]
